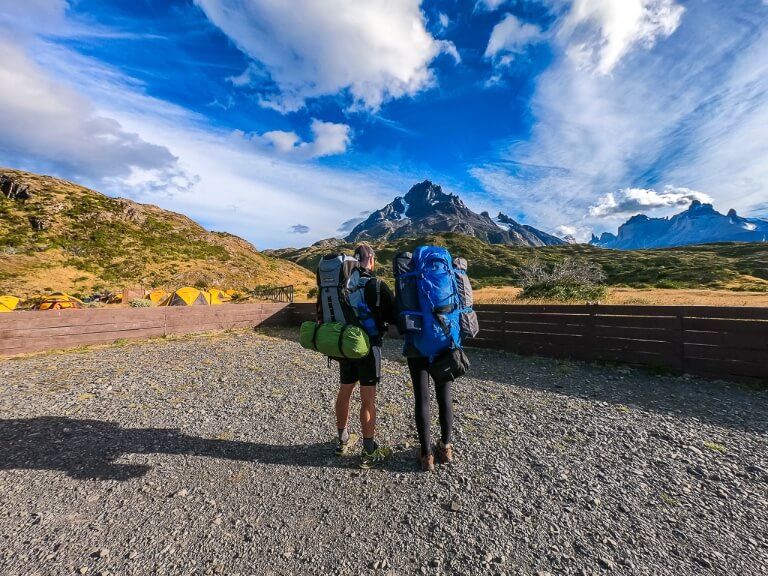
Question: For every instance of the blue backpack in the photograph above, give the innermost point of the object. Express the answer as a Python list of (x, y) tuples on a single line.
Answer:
[(432, 300)]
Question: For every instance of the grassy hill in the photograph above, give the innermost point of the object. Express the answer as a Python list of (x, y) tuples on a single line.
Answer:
[(731, 266), (56, 235)]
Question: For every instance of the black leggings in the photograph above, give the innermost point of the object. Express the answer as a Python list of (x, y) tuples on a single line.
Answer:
[(420, 379)]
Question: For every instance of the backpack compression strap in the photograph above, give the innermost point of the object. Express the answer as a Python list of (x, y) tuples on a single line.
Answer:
[(341, 339)]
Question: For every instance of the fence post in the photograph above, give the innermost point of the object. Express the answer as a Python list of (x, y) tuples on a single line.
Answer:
[(590, 335), (681, 325)]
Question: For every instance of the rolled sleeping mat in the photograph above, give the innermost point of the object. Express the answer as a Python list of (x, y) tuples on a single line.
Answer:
[(335, 339)]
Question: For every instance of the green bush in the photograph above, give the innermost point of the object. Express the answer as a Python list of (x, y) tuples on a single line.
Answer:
[(140, 303)]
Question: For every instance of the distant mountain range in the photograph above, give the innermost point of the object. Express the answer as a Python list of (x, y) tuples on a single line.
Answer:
[(426, 209), (699, 224)]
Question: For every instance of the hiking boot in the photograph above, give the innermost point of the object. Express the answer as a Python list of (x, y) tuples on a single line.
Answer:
[(444, 452), (427, 462), (371, 459), (343, 448)]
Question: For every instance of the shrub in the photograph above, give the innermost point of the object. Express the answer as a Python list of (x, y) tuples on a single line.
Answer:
[(140, 303), (569, 280), (312, 292)]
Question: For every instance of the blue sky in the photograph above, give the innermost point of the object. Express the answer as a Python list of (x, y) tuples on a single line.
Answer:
[(278, 121)]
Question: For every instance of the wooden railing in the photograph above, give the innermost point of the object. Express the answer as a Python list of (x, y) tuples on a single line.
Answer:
[(729, 342), (274, 293), (24, 332), (719, 342)]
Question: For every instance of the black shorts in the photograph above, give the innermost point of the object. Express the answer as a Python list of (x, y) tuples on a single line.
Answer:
[(366, 370)]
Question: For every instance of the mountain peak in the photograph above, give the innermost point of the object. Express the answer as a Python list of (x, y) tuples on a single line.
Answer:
[(426, 209), (699, 224)]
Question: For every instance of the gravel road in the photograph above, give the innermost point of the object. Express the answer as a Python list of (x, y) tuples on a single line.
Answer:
[(214, 455)]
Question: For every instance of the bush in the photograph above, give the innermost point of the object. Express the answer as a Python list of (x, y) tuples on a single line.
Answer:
[(140, 303), (569, 280), (312, 293)]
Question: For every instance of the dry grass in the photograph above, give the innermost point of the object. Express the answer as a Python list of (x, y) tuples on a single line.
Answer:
[(650, 296)]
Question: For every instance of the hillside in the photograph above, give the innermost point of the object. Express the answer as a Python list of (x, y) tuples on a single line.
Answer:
[(730, 266), (56, 235)]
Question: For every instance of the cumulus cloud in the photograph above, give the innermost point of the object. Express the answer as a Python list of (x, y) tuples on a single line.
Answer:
[(375, 50), (690, 111), (45, 120), (329, 139), (635, 200), (602, 32), (511, 36), (299, 229)]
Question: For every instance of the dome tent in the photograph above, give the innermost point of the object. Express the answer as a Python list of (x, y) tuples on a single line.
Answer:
[(8, 303), (218, 296), (157, 296), (186, 296), (58, 301)]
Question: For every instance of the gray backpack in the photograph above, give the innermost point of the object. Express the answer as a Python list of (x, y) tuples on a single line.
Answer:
[(341, 293)]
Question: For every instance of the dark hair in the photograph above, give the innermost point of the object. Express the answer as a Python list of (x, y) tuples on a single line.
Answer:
[(363, 252)]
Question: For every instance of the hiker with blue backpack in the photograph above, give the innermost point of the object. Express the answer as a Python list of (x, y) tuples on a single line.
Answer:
[(353, 309), (434, 303)]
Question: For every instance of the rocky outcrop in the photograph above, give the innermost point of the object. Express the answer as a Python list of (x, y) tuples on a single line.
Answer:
[(12, 189)]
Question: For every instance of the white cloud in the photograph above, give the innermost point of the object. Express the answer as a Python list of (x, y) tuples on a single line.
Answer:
[(630, 201), (375, 50), (444, 21), (50, 122), (602, 32), (511, 36), (329, 139), (488, 5), (691, 111)]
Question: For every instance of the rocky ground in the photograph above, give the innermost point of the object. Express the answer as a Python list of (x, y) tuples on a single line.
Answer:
[(214, 455)]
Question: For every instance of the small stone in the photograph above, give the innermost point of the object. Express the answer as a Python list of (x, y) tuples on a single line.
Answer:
[(434, 563), (605, 563), (132, 554), (83, 570), (183, 493), (455, 506), (703, 561), (101, 553)]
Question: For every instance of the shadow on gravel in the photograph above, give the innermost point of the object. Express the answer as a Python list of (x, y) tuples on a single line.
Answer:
[(87, 449)]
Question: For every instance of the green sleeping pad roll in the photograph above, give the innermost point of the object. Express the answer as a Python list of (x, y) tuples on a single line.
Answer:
[(334, 339)]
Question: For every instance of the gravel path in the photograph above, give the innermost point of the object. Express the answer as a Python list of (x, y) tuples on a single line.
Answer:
[(214, 455)]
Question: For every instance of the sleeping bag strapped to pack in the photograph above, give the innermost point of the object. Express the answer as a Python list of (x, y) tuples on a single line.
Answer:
[(342, 310), (433, 293)]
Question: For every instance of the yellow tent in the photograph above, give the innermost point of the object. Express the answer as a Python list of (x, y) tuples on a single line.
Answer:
[(186, 296), (216, 296), (58, 301), (8, 303), (157, 296)]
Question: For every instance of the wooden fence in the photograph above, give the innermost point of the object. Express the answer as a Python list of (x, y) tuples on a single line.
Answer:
[(728, 342), (274, 293), (720, 342), (23, 332)]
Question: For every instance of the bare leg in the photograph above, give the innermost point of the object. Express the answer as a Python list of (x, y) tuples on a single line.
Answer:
[(367, 410), (342, 404)]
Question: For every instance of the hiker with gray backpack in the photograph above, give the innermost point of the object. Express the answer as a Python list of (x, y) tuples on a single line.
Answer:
[(434, 303), (353, 309)]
